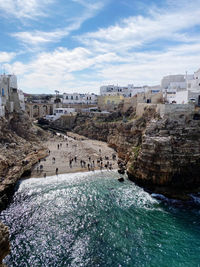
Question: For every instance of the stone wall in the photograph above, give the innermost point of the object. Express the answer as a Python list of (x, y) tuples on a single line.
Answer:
[(174, 109), (166, 109), (143, 107)]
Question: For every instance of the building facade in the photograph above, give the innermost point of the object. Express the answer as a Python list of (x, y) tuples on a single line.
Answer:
[(12, 99), (113, 90), (75, 98)]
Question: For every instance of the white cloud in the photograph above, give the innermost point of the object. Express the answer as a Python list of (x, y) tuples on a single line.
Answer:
[(36, 38), (39, 37), (24, 8), (112, 54), (135, 32), (54, 70), (6, 57)]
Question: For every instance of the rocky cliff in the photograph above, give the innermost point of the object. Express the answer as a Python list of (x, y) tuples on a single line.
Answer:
[(168, 158), (20, 149), (160, 154), (121, 134)]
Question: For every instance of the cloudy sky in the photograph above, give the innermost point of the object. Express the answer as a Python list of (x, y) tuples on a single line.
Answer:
[(79, 45)]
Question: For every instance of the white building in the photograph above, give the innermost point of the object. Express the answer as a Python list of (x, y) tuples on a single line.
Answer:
[(182, 89), (75, 98), (127, 91), (2, 108), (174, 88), (110, 90), (173, 82), (193, 81), (21, 99), (11, 98), (58, 112)]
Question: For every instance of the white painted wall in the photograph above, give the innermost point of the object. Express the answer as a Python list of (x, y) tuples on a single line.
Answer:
[(181, 97), (76, 98), (21, 99)]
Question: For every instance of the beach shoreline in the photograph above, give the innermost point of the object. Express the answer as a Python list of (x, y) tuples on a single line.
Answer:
[(74, 153)]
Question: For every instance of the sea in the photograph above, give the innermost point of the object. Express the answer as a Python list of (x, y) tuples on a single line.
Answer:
[(91, 219)]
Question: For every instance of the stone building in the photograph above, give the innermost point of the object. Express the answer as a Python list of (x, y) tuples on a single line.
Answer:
[(12, 99), (109, 102)]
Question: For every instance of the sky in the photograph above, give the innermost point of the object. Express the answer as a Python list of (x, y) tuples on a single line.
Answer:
[(79, 45)]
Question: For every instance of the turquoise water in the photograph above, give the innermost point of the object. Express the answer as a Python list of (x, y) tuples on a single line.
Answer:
[(93, 220)]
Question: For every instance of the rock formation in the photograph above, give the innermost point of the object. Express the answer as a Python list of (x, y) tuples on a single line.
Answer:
[(20, 149), (161, 154), (168, 156)]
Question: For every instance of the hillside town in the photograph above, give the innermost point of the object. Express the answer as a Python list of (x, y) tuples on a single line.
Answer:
[(183, 91)]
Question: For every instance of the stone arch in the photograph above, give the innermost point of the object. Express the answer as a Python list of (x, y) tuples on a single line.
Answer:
[(44, 110), (36, 111)]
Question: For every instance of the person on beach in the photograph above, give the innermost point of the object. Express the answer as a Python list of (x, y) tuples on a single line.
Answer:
[(41, 168), (88, 167), (84, 164), (70, 163), (113, 156), (101, 165), (58, 146), (110, 166), (45, 175), (56, 170), (75, 158)]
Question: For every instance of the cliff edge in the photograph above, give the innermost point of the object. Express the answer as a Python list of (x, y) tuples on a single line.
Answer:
[(168, 158), (20, 149)]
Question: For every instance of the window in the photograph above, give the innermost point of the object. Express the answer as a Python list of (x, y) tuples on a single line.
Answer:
[(76, 97), (72, 97), (3, 93), (67, 97)]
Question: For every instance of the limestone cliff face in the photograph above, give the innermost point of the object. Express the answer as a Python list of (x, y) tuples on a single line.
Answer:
[(120, 135), (169, 154), (157, 152), (20, 149)]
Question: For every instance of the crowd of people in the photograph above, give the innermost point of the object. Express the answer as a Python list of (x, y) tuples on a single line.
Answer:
[(87, 163)]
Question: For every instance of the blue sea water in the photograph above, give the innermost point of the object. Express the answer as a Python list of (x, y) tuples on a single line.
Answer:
[(90, 219)]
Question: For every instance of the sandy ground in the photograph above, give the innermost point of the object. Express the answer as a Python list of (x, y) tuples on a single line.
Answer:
[(72, 146)]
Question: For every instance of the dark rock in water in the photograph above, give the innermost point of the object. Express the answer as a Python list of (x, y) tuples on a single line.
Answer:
[(121, 171), (121, 179)]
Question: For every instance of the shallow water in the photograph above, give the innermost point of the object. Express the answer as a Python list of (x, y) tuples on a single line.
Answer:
[(91, 219)]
